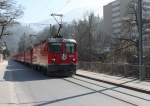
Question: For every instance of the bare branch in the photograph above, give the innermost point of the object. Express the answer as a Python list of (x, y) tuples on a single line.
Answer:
[(9, 12)]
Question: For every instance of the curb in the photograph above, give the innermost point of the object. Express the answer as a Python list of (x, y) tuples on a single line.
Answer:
[(112, 83)]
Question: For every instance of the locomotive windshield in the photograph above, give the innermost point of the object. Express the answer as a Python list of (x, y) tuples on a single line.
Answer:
[(55, 47), (70, 47)]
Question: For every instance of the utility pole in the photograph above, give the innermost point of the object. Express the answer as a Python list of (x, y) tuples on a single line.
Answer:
[(24, 43), (140, 29)]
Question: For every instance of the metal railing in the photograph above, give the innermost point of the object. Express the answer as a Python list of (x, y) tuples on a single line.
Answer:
[(125, 70)]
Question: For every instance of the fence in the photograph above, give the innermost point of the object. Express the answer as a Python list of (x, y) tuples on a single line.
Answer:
[(126, 70)]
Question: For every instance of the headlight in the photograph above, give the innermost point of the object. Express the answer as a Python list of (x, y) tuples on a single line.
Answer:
[(73, 59), (53, 60)]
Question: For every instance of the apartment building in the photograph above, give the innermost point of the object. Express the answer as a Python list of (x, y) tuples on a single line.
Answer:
[(116, 11)]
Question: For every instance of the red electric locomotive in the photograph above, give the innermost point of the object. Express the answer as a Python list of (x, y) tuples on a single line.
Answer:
[(57, 55)]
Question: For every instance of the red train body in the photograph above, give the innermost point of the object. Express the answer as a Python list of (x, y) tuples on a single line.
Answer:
[(56, 56)]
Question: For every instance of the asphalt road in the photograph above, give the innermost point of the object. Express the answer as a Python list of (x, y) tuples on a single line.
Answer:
[(31, 88)]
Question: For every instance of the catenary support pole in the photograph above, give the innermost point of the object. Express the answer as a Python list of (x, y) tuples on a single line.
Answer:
[(140, 27)]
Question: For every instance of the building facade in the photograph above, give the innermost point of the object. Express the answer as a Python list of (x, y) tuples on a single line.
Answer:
[(117, 11)]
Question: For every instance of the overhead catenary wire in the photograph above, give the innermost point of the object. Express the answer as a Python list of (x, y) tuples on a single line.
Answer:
[(66, 4)]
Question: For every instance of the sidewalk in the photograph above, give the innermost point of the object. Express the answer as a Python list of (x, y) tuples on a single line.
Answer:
[(130, 83), (7, 94)]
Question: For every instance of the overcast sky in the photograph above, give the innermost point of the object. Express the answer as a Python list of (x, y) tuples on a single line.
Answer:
[(40, 10)]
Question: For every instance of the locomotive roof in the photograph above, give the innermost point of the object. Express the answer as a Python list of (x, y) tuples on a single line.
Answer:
[(61, 40)]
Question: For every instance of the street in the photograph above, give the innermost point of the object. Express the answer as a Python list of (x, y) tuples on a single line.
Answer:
[(30, 88)]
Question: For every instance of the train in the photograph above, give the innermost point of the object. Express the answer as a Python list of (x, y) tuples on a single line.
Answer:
[(53, 57)]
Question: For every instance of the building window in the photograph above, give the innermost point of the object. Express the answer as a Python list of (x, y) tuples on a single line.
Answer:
[(117, 14), (117, 30), (116, 25), (116, 9), (116, 20), (116, 3)]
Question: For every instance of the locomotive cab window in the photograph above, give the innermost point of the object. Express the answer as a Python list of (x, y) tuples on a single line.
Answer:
[(55, 47), (70, 48)]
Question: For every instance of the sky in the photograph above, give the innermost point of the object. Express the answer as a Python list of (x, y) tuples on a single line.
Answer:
[(38, 11)]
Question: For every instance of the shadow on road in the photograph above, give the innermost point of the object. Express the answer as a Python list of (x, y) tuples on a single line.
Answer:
[(19, 73)]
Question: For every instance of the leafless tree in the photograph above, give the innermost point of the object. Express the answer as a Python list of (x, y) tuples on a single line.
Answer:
[(90, 37), (9, 12)]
